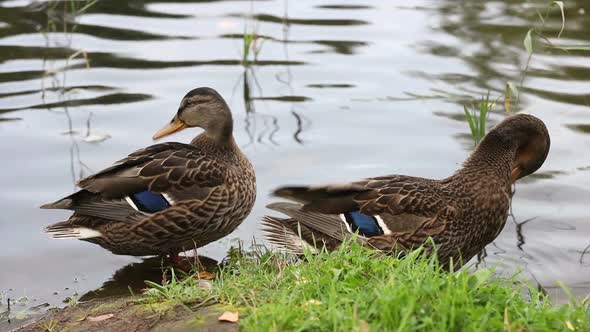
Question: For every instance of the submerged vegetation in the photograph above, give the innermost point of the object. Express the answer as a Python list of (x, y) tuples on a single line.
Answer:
[(356, 289), (477, 116), (62, 17)]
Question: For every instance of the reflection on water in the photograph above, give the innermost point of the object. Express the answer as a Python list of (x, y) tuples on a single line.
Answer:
[(582, 128), (112, 98), (334, 46), (270, 122), (297, 21), (494, 32), (131, 278), (384, 86)]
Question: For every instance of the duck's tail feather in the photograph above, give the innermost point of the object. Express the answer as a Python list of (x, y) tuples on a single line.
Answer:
[(69, 202), (64, 203), (305, 229), (328, 224), (284, 233), (65, 230)]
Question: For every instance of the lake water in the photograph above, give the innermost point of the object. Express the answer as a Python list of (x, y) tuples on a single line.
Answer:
[(338, 91)]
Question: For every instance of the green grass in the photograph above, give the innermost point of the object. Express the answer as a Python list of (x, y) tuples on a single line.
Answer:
[(477, 117), (251, 46), (249, 40), (354, 290)]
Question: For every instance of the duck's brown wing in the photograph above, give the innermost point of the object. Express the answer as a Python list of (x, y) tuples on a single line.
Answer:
[(394, 194), (404, 209), (174, 170), (158, 168)]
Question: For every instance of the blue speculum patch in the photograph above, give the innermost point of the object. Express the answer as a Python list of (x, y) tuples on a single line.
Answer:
[(364, 224), (149, 201)]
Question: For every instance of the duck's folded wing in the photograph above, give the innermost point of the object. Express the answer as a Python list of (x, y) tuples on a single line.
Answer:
[(146, 182), (382, 206), (92, 204), (159, 168), (390, 194)]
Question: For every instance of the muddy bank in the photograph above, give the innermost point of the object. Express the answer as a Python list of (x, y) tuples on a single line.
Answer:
[(130, 314)]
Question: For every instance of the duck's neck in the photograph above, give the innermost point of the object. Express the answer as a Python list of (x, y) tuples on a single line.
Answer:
[(221, 131), (219, 124), (218, 143), (493, 157)]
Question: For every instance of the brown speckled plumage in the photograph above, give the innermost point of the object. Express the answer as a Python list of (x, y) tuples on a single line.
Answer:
[(210, 184), (462, 213)]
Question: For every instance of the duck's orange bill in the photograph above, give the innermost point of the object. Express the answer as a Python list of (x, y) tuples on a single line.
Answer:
[(174, 126)]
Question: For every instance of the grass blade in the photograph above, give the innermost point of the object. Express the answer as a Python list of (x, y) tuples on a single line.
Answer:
[(508, 99), (471, 123), (560, 5), (571, 48), (528, 42)]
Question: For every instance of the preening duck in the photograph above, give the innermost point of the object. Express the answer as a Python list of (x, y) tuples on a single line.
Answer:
[(168, 197), (461, 214)]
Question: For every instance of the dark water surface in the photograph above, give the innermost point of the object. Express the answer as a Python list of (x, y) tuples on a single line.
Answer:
[(339, 91)]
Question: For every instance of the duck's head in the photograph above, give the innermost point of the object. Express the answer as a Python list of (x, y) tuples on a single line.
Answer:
[(528, 137), (203, 108)]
